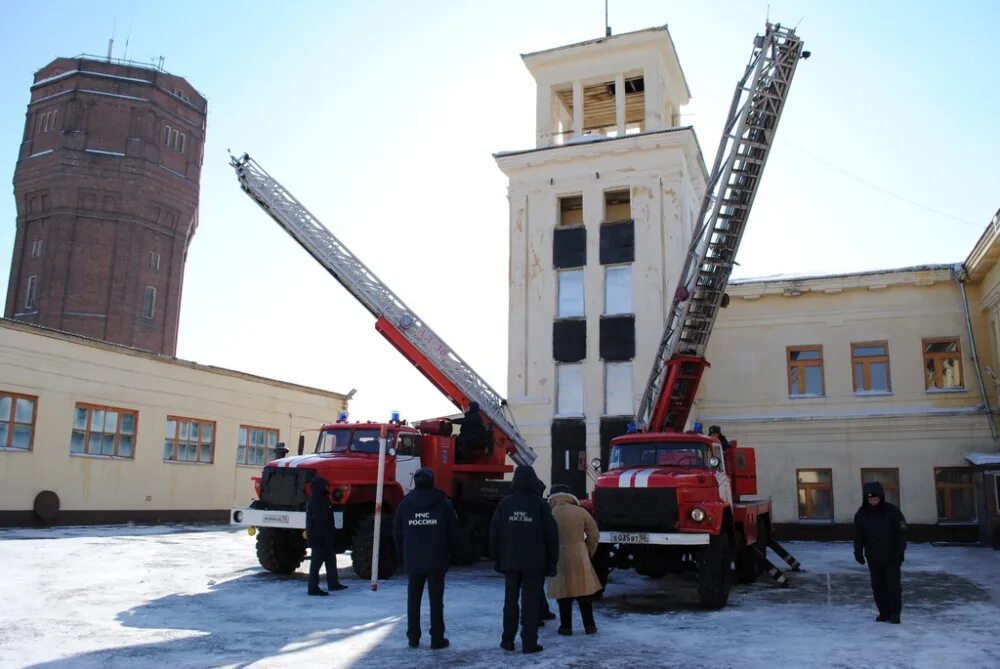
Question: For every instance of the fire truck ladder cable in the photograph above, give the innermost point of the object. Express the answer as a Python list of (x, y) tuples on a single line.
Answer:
[(362, 283), (746, 141)]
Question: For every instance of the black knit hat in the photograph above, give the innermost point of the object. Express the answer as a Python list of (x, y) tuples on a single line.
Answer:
[(423, 477)]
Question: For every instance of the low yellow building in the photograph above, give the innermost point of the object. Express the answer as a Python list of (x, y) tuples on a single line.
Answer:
[(119, 434), (882, 375)]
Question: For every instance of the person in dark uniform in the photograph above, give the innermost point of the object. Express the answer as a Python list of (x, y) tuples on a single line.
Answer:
[(716, 431), (472, 433), (425, 531), (880, 539), (524, 543), (320, 534)]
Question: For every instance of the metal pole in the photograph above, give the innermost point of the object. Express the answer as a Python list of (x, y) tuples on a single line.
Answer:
[(378, 509)]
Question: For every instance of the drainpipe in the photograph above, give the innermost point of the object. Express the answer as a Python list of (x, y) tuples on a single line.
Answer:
[(961, 276)]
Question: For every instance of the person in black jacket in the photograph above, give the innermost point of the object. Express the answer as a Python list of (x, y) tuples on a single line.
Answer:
[(524, 543), (880, 538), (320, 533), (716, 431), (472, 433), (425, 530)]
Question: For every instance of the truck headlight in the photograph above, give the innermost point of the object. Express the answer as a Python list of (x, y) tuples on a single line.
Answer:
[(697, 514), (238, 516)]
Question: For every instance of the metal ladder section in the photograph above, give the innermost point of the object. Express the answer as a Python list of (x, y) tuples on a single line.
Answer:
[(769, 567), (338, 260), (746, 141)]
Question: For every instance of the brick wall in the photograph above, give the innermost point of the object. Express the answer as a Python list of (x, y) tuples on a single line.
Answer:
[(107, 185)]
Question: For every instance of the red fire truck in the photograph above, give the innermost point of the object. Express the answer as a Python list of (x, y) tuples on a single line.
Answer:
[(348, 454), (670, 500)]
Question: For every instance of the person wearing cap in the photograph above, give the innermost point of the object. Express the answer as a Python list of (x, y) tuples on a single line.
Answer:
[(524, 543), (425, 531), (320, 535), (716, 431), (880, 540)]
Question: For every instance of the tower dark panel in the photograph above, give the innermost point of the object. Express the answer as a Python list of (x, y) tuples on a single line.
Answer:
[(107, 184)]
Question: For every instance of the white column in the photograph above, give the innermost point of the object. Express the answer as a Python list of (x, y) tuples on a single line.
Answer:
[(577, 108), (620, 104), (544, 118)]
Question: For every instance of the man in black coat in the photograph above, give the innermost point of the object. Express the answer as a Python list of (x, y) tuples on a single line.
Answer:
[(425, 530), (880, 538), (320, 534), (524, 543), (472, 434)]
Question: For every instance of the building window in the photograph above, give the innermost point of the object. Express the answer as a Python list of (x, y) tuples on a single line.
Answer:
[(815, 494), (618, 389), (870, 362), (956, 501), (173, 138), (805, 371), (100, 430), (570, 294), (154, 261), (149, 303), (17, 420), (571, 210), (37, 247), (31, 295), (569, 390), (47, 121), (256, 445), (889, 478), (189, 440), (618, 290), (942, 363), (617, 206)]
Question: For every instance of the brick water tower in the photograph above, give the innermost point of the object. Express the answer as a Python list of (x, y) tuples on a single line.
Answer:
[(106, 184)]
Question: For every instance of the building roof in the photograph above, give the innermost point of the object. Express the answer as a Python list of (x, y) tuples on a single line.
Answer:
[(69, 337), (983, 459)]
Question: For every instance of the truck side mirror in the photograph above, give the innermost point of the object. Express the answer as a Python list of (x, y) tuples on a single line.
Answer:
[(302, 443)]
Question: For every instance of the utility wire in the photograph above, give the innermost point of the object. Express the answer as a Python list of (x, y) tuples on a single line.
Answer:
[(880, 188)]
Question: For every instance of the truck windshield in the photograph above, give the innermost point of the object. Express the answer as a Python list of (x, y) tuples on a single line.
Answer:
[(659, 453), (342, 440)]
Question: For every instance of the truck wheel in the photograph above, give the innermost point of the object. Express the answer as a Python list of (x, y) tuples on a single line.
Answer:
[(361, 548), (473, 531), (714, 572), (280, 551)]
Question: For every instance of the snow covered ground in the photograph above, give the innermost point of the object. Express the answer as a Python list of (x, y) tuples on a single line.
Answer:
[(188, 596)]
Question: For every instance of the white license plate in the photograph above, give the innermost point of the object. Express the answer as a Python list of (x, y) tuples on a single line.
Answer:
[(338, 519), (629, 538)]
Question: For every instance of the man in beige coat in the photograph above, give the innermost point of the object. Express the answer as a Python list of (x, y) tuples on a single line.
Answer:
[(575, 577)]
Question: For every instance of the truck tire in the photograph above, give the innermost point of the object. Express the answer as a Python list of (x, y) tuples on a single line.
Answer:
[(473, 539), (280, 551), (362, 544), (714, 564)]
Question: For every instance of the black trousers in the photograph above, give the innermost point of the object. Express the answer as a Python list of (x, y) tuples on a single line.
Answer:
[(414, 595), (887, 588), (319, 557), (586, 605), (526, 587)]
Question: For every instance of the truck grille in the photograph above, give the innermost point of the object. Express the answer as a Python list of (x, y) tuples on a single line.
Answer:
[(284, 488), (636, 508)]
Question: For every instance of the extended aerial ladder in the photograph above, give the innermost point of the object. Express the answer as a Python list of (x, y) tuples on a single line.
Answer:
[(747, 138), (394, 320)]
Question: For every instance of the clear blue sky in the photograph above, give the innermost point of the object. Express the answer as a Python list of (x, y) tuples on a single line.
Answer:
[(382, 117)]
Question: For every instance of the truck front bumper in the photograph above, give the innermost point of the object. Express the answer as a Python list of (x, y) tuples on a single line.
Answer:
[(657, 538)]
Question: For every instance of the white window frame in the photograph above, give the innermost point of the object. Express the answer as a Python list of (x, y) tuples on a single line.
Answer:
[(567, 304), (620, 294), (37, 248), (618, 400), (48, 120), (569, 389), (31, 294), (154, 261), (167, 134)]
